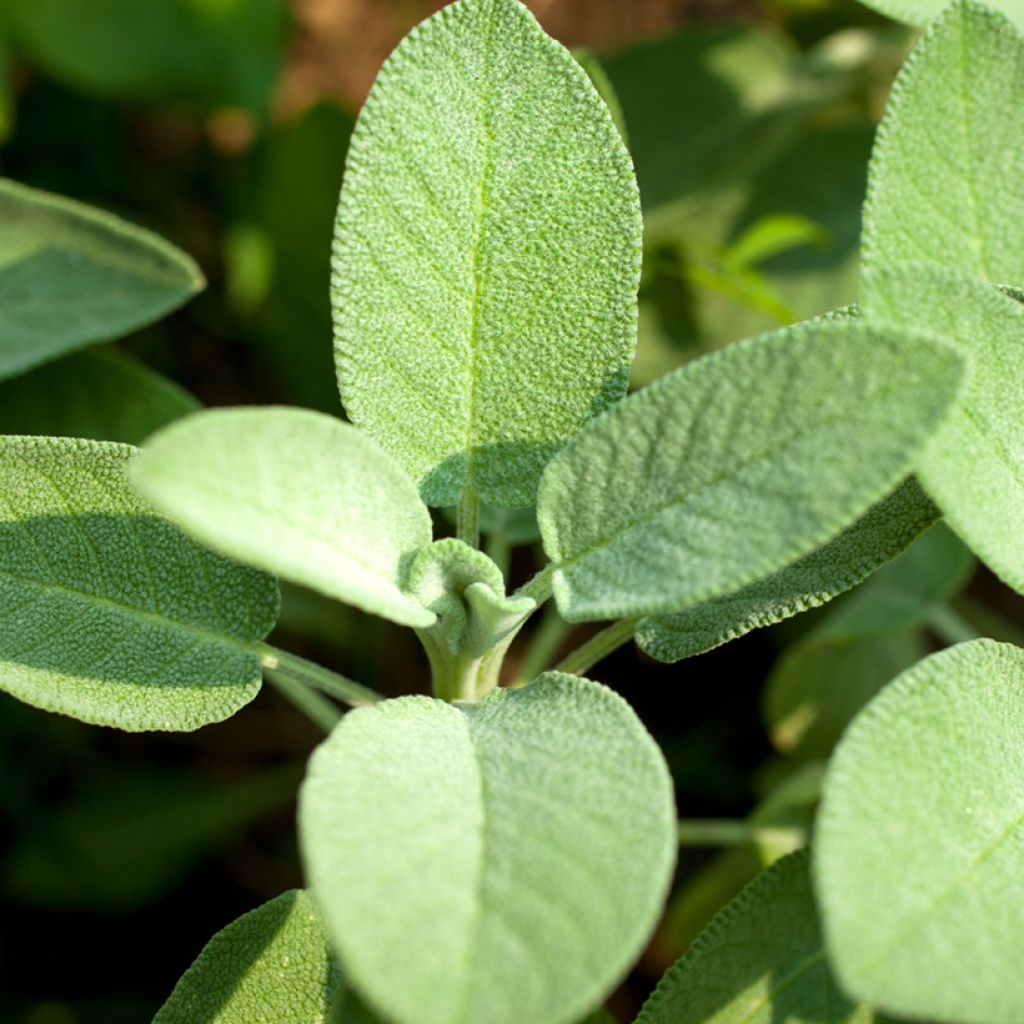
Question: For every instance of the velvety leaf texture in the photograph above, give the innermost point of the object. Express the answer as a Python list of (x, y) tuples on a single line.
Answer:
[(98, 395), (974, 466), (920, 12), (760, 961), (487, 255), (71, 275), (110, 614), (738, 464), (296, 493), (947, 172), (271, 965), (879, 535), (504, 861), (919, 851)]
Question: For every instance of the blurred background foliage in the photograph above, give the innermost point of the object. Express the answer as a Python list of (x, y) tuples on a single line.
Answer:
[(223, 124)]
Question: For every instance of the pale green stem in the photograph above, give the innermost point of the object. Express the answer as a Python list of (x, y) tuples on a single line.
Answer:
[(547, 638), (722, 832), (499, 551), (467, 518), (309, 674), (539, 587), (314, 706), (949, 626), (598, 647)]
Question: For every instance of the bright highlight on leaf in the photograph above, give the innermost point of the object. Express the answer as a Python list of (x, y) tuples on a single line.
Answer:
[(296, 493), (738, 464), (468, 867), (111, 615), (272, 964), (71, 275), (947, 172), (919, 851), (487, 255), (760, 961)]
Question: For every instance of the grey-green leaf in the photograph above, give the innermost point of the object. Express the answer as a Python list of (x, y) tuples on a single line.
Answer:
[(947, 172), (487, 255), (272, 964), (466, 862), (99, 395), (974, 466), (296, 493), (738, 464), (919, 849), (760, 961), (879, 535), (109, 613), (71, 275)]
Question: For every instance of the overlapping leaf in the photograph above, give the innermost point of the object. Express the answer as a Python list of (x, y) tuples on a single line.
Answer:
[(487, 255), (920, 12), (107, 612)]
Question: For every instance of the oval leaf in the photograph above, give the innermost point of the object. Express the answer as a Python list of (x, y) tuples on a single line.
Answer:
[(110, 614), (297, 493), (467, 866), (738, 464), (760, 961), (71, 275), (272, 964), (974, 466), (919, 849), (487, 255), (947, 173)]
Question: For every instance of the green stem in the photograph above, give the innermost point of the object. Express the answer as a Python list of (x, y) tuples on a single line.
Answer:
[(949, 626), (598, 647), (499, 551), (313, 705), (467, 518), (544, 644), (309, 674), (721, 832), (539, 587)]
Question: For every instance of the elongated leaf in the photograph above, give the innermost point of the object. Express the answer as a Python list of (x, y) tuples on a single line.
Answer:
[(110, 614), (71, 275), (947, 173), (760, 961), (272, 964), (487, 255), (919, 863), (879, 535), (737, 465), (974, 466), (98, 395), (297, 493), (467, 866)]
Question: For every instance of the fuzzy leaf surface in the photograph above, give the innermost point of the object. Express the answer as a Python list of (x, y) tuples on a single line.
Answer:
[(487, 255), (272, 964), (72, 275), (97, 395), (947, 173), (879, 535), (760, 961), (296, 493), (921, 12), (110, 614), (920, 837), (974, 466), (467, 866), (738, 464)]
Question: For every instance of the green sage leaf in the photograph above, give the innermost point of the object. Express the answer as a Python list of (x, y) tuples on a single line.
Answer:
[(974, 466), (920, 12), (110, 614), (272, 964), (918, 851), (72, 275), (760, 961), (948, 166), (296, 493), (879, 535), (487, 255), (737, 465), (465, 863)]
